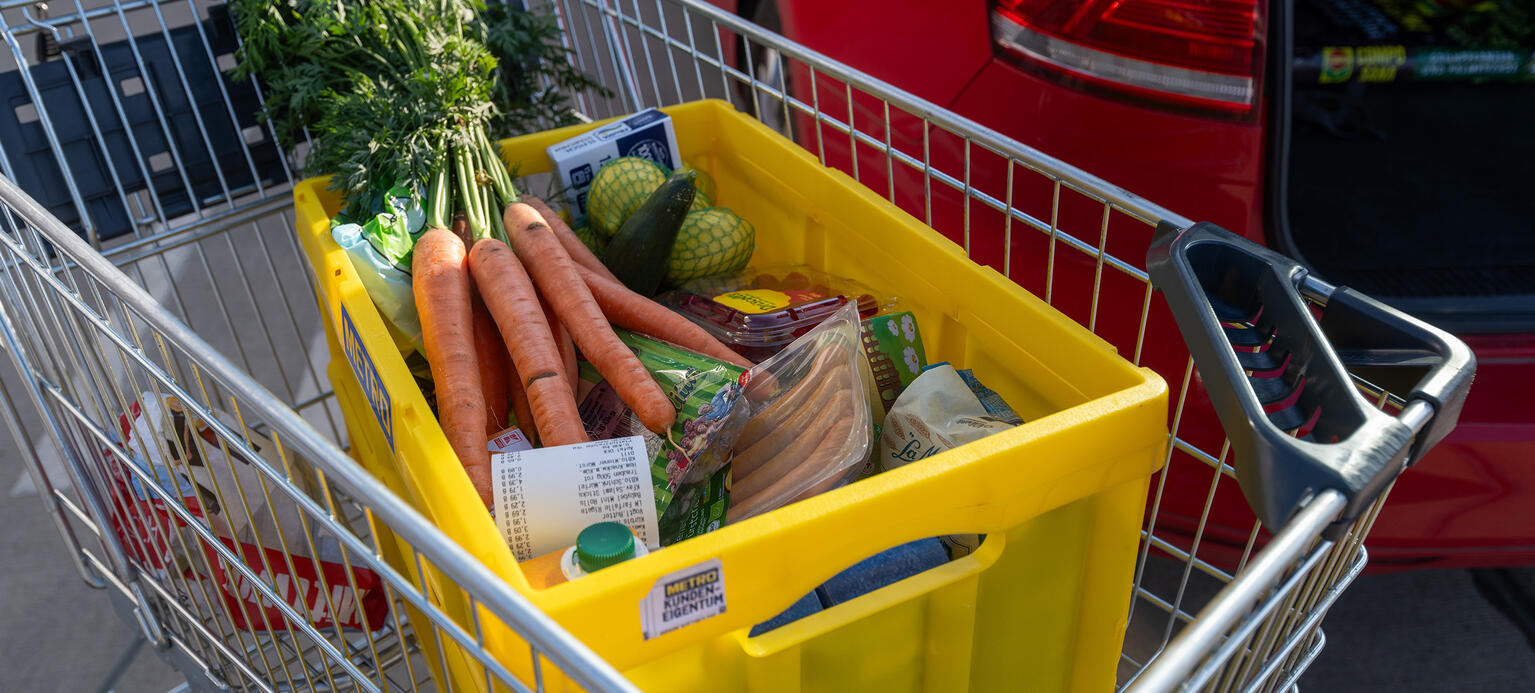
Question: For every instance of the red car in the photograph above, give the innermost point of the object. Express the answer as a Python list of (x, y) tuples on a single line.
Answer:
[(1384, 143)]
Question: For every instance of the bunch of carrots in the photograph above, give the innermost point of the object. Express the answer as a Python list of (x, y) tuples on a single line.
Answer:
[(543, 293), (394, 92)]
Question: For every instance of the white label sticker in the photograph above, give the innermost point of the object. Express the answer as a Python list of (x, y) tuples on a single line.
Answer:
[(510, 440), (687, 596), (545, 497)]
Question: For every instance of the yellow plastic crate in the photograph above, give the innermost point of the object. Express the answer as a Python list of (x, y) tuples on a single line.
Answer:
[(1041, 605)]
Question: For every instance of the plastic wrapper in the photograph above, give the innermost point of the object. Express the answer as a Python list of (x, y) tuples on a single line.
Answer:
[(380, 250), (183, 461), (761, 310), (937, 412), (688, 469), (810, 429), (941, 410)]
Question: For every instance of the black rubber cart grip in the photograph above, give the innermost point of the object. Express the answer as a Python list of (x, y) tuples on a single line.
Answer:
[(1279, 376)]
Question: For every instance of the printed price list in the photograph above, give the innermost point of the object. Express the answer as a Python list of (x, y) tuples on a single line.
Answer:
[(545, 497)]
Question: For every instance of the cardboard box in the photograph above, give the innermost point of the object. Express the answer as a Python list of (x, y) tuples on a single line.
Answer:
[(647, 134)]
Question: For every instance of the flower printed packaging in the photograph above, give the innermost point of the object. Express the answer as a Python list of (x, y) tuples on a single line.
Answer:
[(893, 345)]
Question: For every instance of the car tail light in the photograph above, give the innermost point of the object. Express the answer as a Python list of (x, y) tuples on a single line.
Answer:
[(1200, 54)]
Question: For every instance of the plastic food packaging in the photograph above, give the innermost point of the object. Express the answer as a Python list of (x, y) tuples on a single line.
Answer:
[(937, 412), (380, 250), (760, 311), (689, 480), (810, 429), (942, 409), (894, 347)]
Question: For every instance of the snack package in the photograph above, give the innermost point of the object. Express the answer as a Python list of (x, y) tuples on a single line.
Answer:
[(761, 310), (810, 429), (990, 400), (647, 135), (690, 480), (893, 345), (940, 411), (192, 467), (937, 412)]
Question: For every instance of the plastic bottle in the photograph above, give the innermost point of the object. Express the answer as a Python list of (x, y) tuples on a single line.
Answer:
[(597, 547)]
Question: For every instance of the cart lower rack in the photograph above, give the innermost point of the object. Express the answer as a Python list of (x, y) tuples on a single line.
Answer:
[(182, 292)]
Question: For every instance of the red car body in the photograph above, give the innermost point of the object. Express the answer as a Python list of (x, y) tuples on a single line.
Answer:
[(1460, 507)]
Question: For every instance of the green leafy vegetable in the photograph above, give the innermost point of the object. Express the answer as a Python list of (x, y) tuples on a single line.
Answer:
[(392, 92)]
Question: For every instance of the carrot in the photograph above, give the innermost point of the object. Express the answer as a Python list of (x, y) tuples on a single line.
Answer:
[(578, 251), (567, 348), (520, 407), (443, 301), (568, 356), (460, 228), (555, 274), (512, 301), (490, 351), (632, 311)]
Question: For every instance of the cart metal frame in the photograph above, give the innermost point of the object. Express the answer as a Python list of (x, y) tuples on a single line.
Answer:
[(200, 296)]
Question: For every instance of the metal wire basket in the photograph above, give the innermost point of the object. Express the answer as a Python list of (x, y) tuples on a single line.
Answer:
[(148, 254)]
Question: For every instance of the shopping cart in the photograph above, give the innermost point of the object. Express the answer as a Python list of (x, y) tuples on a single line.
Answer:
[(149, 257)]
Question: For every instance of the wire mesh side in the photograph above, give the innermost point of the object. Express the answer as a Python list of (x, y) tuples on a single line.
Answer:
[(127, 124), (247, 542), (1072, 239)]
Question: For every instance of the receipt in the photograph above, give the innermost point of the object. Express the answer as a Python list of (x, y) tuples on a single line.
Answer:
[(545, 497)]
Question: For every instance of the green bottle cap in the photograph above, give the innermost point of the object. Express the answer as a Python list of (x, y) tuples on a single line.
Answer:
[(602, 545)]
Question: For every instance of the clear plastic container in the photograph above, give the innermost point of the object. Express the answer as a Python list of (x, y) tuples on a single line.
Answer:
[(760, 311)]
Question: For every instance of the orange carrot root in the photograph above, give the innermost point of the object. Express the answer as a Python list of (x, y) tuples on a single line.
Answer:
[(441, 286), (577, 250), (520, 406), (555, 275), (510, 296), (566, 346), (632, 311), (492, 356)]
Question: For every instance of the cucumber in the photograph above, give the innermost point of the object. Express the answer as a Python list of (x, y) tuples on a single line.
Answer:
[(638, 251)]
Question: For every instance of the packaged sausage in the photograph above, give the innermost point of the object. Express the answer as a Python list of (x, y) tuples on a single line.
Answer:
[(810, 425)]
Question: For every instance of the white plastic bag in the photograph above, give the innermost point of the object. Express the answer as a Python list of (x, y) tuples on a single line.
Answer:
[(810, 427), (937, 412), (380, 251)]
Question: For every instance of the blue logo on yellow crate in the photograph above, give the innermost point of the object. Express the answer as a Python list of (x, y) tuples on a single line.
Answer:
[(367, 376)]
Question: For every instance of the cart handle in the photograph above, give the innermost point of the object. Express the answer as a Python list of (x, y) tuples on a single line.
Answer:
[(1280, 379)]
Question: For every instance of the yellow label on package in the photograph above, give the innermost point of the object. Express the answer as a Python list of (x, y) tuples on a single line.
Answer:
[(758, 301)]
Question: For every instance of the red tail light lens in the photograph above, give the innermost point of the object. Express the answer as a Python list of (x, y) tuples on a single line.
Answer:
[(1205, 54)]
